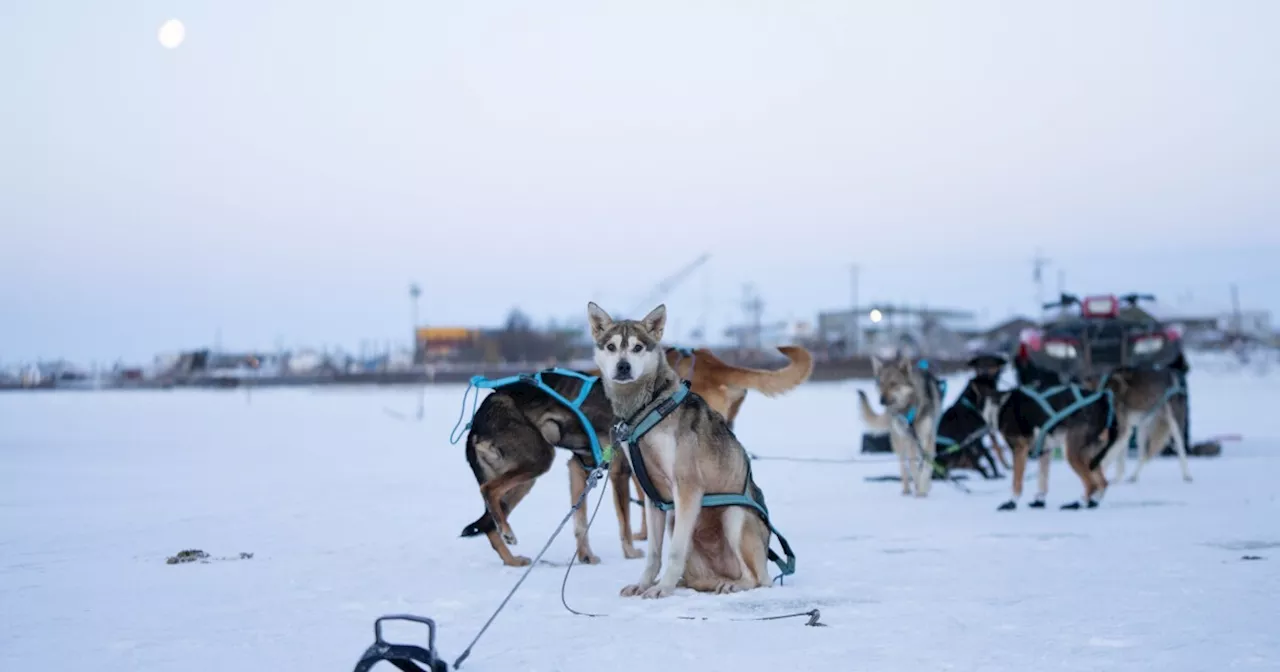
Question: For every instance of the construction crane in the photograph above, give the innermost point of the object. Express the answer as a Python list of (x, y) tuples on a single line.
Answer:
[(667, 284)]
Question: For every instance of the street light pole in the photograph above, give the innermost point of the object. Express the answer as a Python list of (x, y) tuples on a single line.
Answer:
[(414, 292)]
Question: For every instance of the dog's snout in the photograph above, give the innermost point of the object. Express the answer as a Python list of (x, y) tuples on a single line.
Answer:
[(884, 400), (624, 368)]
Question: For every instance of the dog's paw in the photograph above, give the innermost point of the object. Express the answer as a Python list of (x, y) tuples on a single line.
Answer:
[(510, 537), (632, 590), (1072, 506), (588, 558), (728, 587), (1007, 506), (640, 536), (1131, 479), (921, 495), (518, 561), (1187, 478), (1093, 504), (632, 553), (658, 592), (1038, 504)]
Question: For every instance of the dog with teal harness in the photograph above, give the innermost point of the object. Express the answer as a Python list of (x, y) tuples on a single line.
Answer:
[(686, 458), (627, 434), (511, 440), (1082, 416)]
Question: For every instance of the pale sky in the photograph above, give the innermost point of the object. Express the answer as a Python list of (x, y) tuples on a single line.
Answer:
[(286, 172)]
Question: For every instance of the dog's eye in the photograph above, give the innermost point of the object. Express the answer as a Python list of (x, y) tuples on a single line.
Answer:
[(611, 347), (637, 348)]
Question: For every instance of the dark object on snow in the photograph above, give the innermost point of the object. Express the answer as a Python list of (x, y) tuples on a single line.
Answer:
[(876, 443), (1202, 449), (189, 555), (406, 657), (1251, 557), (197, 555)]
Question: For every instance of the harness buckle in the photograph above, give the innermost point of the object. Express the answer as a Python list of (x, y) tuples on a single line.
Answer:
[(620, 434)]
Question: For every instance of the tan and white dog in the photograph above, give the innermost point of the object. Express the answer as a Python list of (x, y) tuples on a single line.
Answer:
[(688, 453)]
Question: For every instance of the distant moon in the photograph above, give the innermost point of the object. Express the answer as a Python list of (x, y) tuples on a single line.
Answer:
[(171, 34)]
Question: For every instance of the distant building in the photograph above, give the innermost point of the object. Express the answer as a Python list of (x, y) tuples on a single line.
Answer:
[(886, 328)]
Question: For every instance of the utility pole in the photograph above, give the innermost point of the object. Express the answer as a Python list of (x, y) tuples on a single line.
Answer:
[(1038, 262), (855, 343), (414, 292), (1062, 287), (753, 308), (1237, 320)]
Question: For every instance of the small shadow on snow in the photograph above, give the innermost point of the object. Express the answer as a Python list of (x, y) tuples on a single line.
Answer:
[(1038, 536), (1143, 504), (1243, 545)]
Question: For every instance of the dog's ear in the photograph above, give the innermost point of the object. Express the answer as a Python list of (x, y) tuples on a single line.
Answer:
[(876, 365), (598, 319), (656, 321)]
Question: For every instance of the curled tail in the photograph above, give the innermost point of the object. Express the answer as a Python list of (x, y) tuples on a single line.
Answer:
[(876, 423), (766, 382)]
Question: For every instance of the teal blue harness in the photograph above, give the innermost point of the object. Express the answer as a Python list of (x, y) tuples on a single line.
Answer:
[(1079, 401), (1175, 389), (480, 382), (628, 433)]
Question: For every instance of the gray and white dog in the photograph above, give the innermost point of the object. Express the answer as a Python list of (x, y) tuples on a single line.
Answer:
[(689, 453), (907, 390)]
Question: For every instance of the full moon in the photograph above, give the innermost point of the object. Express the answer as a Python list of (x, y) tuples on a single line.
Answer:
[(171, 34)]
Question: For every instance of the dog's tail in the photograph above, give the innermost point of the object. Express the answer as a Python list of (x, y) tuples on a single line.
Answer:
[(766, 382), (482, 525), (876, 423)]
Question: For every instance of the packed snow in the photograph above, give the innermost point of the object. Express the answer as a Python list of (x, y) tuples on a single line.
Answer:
[(352, 510)]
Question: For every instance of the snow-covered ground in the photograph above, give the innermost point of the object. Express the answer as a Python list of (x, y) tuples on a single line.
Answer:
[(352, 513)]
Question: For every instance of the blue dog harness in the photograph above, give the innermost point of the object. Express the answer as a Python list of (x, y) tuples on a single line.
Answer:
[(480, 382), (1079, 401)]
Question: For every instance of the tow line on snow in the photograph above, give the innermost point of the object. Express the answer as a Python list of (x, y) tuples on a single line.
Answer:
[(827, 460)]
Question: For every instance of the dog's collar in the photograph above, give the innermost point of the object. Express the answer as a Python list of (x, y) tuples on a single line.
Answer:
[(910, 415), (627, 432)]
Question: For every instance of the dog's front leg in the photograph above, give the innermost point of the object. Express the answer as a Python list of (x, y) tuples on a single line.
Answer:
[(1020, 447), (657, 522), (687, 507), (928, 449), (1042, 479), (904, 461)]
